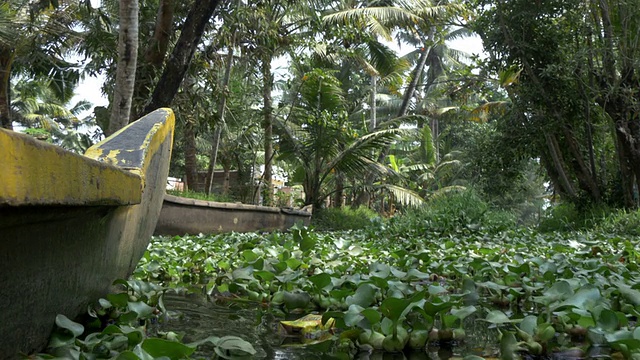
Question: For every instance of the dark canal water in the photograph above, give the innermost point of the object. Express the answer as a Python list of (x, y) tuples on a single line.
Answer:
[(197, 317)]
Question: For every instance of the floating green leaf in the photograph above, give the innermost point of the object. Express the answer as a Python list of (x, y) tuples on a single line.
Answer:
[(160, 347)]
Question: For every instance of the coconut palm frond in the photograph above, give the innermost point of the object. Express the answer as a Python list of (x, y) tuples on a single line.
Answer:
[(399, 120), (380, 19), (419, 167), (81, 106), (383, 58), (459, 33), (451, 155), (358, 154), (427, 176), (403, 196), (321, 90), (366, 65), (376, 27), (291, 147), (427, 10), (447, 165)]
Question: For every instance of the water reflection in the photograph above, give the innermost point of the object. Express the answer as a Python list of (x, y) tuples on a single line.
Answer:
[(197, 317)]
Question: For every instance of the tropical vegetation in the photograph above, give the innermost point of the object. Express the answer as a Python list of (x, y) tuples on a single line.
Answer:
[(464, 289), (544, 114), (456, 169)]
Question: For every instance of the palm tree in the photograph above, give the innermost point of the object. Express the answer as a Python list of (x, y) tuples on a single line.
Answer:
[(36, 105), (126, 68), (33, 39), (418, 17), (318, 137), (272, 26)]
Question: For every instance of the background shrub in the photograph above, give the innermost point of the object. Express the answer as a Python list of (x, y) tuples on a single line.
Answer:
[(345, 218), (453, 212)]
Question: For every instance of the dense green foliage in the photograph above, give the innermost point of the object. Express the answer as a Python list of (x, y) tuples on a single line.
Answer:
[(454, 273), (345, 218), (541, 293), (200, 196), (463, 148), (548, 109), (567, 217), (451, 213), (566, 67)]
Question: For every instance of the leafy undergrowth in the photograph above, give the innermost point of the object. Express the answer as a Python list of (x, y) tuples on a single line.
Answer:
[(568, 294)]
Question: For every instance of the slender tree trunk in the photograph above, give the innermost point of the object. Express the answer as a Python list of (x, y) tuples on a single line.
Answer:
[(6, 60), (221, 110), (628, 135), (608, 61), (417, 73), (267, 87), (180, 58), (126, 71), (434, 124), (364, 197), (255, 188), (625, 171), (585, 177), (588, 101), (338, 197), (190, 162), (154, 56), (553, 175), (374, 105), (558, 165)]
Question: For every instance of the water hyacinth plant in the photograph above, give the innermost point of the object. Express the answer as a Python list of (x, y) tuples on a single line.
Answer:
[(126, 326), (530, 293)]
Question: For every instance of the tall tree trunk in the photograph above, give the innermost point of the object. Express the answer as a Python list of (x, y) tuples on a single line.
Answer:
[(618, 81), (608, 60), (180, 59), (625, 170), (6, 60), (416, 74), (221, 110), (126, 70), (628, 136), (374, 106), (434, 124), (585, 177), (339, 200), (558, 164), (267, 87), (365, 197), (190, 161), (154, 56)]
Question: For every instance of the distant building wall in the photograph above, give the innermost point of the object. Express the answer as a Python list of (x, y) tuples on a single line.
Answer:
[(218, 181)]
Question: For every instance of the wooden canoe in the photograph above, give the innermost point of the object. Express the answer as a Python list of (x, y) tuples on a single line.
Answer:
[(180, 216), (71, 224)]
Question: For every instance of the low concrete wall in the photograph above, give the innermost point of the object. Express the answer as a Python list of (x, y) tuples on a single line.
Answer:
[(71, 228), (180, 216)]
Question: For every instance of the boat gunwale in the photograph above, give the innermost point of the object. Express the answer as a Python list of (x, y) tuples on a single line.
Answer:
[(232, 206)]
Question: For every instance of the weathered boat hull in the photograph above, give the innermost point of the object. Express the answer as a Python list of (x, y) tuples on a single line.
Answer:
[(70, 225), (180, 216)]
